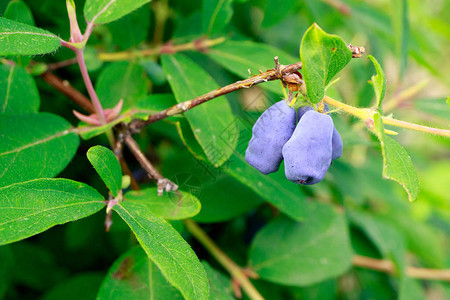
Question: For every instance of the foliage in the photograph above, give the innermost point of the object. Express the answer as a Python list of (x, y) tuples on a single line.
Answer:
[(170, 149)]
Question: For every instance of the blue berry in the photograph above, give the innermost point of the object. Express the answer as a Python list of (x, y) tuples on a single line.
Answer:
[(269, 134), (307, 154), (336, 143)]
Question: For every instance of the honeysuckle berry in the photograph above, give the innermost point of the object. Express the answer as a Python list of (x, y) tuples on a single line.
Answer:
[(269, 134), (307, 154), (336, 143)]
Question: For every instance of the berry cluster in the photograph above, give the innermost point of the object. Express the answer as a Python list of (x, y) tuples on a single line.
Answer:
[(307, 146)]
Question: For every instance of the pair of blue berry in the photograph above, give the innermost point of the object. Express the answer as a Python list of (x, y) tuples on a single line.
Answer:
[(307, 140)]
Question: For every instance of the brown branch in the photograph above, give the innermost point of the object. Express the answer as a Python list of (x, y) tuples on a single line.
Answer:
[(387, 266), (200, 44), (61, 64), (64, 87), (163, 183), (272, 74)]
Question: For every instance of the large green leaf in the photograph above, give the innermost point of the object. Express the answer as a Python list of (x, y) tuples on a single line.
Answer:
[(79, 286), (275, 188), (241, 56), (203, 180), (28, 208), (211, 121), (34, 146), (18, 91), (132, 29), (173, 205), (18, 11), (436, 107), (397, 164), (21, 39), (220, 285), (216, 15), (167, 249), (410, 289), (378, 81), (121, 80), (323, 56), (134, 276), (104, 11), (387, 239), (303, 253), (107, 166)]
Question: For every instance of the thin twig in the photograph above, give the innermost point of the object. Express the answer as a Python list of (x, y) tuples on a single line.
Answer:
[(388, 266), (61, 64), (270, 75), (163, 183), (236, 271), (199, 45), (64, 87)]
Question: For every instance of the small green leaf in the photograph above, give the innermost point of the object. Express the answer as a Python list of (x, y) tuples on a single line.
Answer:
[(18, 91), (121, 80), (378, 82), (216, 15), (107, 166), (133, 269), (303, 253), (400, 27), (397, 164), (167, 249), (105, 11), (28, 208), (211, 122), (323, 56), (239, 57), (21, 39), (18, 11), (174, 205), (34, 146)]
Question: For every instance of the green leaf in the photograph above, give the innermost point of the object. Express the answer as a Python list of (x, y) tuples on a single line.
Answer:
[(134, 269), (378, 81), (239, 57), (303, 253), (410, 289), (80, 286), (174, 205), (34, 146), (21, 39), (107, 166), (167, 249), (323, 56), (18, 11), (397, 164), (105, 11), (274, 188), (400, 27), (211, 121), (273, 14), (386, 238), (121, 80), (216, 15), (220, 285), (18, 91), (28, 208), (436, 107), (132, 29)]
